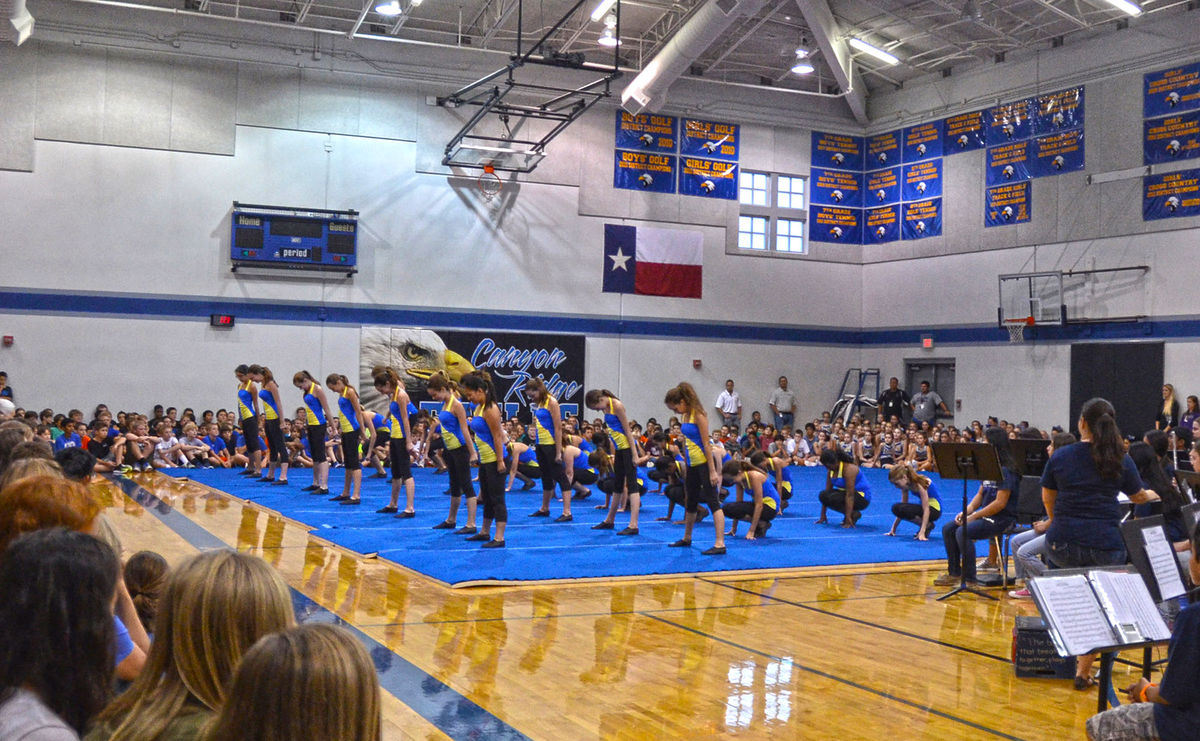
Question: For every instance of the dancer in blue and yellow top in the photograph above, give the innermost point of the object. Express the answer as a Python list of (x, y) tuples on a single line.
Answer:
[(451, 421), (778, 468), (603, 400), (248, 419), (702, 477), (400, 447), (272, 404), (489, 439), (548, 437), (316, 411), (352, 421), (846, 489), (923, 515), (765, 498)]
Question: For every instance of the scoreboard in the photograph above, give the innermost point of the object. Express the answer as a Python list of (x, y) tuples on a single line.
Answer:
[(294, 238)]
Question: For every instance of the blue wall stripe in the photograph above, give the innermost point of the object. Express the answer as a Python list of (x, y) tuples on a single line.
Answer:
[(295, 312), (431, 698)]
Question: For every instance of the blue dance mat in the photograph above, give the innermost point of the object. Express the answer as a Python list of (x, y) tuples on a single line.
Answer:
[(539, 549)]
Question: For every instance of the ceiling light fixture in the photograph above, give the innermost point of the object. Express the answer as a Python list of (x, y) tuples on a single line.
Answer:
[(391, 7), (878, 53), (415, 3), (601, 9), (609, 37), (802, 66), (1126, 7)]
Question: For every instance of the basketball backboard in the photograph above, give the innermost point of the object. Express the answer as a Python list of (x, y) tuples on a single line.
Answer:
[(1032, 295)]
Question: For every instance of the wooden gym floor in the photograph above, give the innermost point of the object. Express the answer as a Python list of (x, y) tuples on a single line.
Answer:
[(847, 653)]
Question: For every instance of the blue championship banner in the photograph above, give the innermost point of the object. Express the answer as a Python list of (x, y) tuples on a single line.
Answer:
[(840, 151), (1008, 122), (881, 225), (1171, 196), (647, 132), (883, 149), (1007, 163), (709, 139), (644, 171), (923, 179), (923, 141), (882, 186), (708, 178), (1008, 204), (1171, 91), (922, 219), (1171, 138), (836, 187), (963, 133), (835, 224), (1056, 153), (1058, 111)]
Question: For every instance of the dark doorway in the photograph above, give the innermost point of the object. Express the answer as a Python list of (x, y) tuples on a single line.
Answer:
[(939, 372), (1128, 374)]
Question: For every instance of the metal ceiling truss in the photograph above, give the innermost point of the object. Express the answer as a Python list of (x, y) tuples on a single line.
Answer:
[(557, 106)]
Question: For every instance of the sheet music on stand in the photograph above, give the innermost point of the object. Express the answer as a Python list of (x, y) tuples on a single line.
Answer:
[(1163, 563), (1097, 610)]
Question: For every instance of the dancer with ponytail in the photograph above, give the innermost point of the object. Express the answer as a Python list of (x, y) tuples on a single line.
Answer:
[(248, 416), (488, 435), (452, 422), (702, 476), (400, 447), (777, 466), (846, 488), (548, 438), (352, 420), (316, 411), (603, 400), (272, 404), (765, 498)]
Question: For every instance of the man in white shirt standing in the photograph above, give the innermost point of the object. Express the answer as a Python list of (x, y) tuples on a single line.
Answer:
[(783, 404), (729, 406)]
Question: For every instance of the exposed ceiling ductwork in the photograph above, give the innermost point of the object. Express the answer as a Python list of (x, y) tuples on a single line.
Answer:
[(16, 24), (648, 91)]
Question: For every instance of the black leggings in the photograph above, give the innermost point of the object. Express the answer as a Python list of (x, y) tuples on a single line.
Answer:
[(528, 470), (316, 443), (674, 492), (458, 463), (698, 487), (623, 468), (552, 470), (275, 440), (398, 456), (250, 433), (912, 513), (585, 476), (491, 491), (744, 510), (836, 499), (611, 485), (350, 450)]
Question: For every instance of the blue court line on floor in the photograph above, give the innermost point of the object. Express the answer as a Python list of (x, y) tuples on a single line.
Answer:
[(866, 623), (836, 678), (434, 700)]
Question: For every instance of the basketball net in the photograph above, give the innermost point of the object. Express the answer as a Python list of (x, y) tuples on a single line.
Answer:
[(1016, 328), (489, 183)]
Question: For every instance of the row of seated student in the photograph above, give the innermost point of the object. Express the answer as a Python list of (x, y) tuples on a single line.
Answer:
[(105, 650)]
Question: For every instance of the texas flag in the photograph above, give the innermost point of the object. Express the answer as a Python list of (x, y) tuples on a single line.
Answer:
[(652, 262)]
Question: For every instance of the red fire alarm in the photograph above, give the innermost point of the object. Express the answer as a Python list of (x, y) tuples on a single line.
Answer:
[(696, 363), (8, 340)]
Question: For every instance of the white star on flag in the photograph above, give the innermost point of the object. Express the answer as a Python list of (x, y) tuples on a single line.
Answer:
[(619, 259)]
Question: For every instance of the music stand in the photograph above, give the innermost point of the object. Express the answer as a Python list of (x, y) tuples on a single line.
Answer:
[(966, 461), (1030, 455), (1189, 483)]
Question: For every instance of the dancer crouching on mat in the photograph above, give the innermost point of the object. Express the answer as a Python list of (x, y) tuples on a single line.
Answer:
[(603, 400), (351, 423), (272, 403), (522, 464), (547, 435), (764, 506), (702, 477), (458, 456), (316, 411), (778, 468), (846, 488), (248, 414), (387, 382), (923, 515), (488, 435)]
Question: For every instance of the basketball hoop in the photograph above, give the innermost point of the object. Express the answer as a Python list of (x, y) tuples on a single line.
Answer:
[(489, 183), (1016, 328)]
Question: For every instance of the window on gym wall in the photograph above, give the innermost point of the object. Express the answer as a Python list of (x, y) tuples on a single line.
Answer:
[(772, 214)]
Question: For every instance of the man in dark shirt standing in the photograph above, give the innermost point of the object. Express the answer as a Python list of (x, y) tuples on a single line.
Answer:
[(893, 401)]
